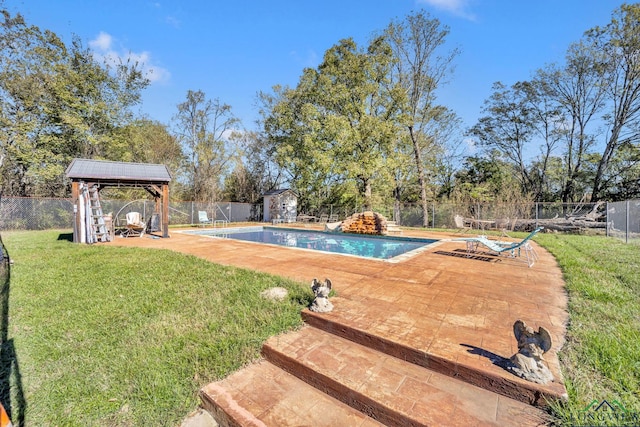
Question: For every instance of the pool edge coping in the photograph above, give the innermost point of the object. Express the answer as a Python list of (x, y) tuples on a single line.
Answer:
[(429, 243)]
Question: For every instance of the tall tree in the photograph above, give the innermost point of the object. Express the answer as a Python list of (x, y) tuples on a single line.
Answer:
[(255, 171), (340, 121), (242, 186), (289, 139), (420, 71), (56, 102), (149, 141), (576, 91), (620, 43), (544, 119), (490, 179), (452, 148), (260, 148), (623, 181), (508, 126), (206, 131)]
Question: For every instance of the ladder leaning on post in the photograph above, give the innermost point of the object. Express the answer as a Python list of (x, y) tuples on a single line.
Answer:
[(98, 228)]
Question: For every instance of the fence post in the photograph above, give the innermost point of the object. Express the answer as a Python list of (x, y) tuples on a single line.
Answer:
[(433, 215), (607, 219), (536, 214), (626, 231)]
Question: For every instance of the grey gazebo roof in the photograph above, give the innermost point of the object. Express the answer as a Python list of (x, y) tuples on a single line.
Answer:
[(108, 171)]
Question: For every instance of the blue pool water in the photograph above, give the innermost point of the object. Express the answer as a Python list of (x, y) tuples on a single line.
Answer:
[(379, 247)]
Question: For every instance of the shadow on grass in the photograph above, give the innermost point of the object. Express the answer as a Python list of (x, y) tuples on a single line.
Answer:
[(66, 236), (11, 392), (301, 296)]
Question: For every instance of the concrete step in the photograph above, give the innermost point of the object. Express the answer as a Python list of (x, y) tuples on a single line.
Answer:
[(392, 227), (390, 390), (263, 395), (430, 344)]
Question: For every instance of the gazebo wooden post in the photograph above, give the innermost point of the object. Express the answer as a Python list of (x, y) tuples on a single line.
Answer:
[(157, 206), (75, 193), (165, 210)]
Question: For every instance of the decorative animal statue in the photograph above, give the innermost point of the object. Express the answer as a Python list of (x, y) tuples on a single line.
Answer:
[(321, 303), (528, 362)]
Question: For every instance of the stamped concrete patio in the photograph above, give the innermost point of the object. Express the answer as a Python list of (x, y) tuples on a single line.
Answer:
[(417, 342)]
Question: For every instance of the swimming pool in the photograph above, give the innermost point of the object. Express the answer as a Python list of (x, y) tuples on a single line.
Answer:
[(377, 247)]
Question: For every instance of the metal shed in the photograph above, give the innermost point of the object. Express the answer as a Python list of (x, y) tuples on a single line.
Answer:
[(154, 178), (280, 205)]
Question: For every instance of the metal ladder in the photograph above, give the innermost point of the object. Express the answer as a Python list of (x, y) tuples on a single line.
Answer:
[(99, 231)]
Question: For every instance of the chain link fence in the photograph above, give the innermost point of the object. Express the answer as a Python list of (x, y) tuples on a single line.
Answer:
[(618, 219), (441, 215), (623, 219), (18, 213), (25, 213)]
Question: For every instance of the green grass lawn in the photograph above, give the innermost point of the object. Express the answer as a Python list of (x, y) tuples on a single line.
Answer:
[(105, 336), (601, 358)]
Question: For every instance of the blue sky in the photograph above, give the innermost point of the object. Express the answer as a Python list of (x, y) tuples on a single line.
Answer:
[(232, 49)]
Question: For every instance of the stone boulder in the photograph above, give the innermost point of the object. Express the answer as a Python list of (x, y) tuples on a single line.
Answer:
[(275, 294), (365, 223)]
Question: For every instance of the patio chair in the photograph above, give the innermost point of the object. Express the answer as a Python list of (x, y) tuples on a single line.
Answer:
[(462, 224), (512, 249), (203, 219), (153, 224), (501, 223), (333, 218), (510, 225), (323, 218), (135, 226)]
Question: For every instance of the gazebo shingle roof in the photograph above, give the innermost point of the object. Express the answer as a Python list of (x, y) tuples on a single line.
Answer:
[(117, 171)]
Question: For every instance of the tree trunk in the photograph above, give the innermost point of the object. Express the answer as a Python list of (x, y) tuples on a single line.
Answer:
[(421, 180), (396, 202), (604, 162), (367, 193)]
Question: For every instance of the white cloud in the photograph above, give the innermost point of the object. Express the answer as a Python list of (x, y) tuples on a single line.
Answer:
[(456, 7), (102, 42), (232, 133), (103, 50), (173, 21), (169, 19), (470, 145)]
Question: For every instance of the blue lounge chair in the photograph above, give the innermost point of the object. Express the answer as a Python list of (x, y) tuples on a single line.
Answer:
[(513, 249)]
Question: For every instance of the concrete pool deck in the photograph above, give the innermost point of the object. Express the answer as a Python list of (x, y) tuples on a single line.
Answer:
[(411, 343)]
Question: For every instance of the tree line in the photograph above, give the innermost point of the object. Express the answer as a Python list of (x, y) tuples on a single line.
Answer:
[(582, 116), (364, 127)]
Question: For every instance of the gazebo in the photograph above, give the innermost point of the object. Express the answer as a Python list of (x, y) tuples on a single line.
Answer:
[(154, 178)]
